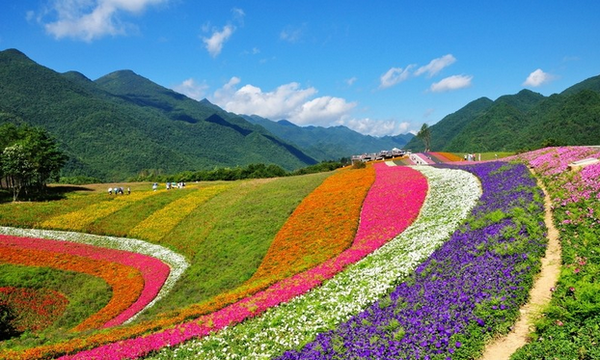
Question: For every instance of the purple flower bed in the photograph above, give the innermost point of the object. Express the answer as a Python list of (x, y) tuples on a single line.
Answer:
[(470, 288)]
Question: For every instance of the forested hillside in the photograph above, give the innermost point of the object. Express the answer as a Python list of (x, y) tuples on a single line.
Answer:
[(526, 120), (123, 124)]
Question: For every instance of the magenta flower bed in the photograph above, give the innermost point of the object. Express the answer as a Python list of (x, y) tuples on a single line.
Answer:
[(392, 204), (154, 271)]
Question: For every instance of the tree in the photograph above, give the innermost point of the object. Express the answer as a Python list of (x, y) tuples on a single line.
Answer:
[(425, 135), (29, 158)]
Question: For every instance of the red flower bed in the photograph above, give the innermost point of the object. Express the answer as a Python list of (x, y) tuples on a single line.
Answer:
[(36, 309)]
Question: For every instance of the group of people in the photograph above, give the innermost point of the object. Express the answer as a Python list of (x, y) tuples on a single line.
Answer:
[(472, 157), (170, 185), (118, 190)]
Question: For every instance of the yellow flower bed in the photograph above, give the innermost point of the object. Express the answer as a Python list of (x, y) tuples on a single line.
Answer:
[(80, 219), (160, 223)]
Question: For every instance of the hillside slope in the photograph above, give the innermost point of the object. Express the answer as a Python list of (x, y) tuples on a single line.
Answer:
[(526, 120)]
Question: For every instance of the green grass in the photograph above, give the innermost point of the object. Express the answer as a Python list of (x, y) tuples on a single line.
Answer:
[(230, 234), (488, 155)]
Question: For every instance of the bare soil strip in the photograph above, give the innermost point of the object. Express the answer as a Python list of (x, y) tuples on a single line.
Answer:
[(503, 347)]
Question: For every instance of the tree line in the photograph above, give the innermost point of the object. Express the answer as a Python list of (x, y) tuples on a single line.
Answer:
[(252, 171), (29, 159)]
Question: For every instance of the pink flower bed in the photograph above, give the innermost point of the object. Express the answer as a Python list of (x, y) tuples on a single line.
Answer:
[(392, 204), (552, 161), (154, 271)]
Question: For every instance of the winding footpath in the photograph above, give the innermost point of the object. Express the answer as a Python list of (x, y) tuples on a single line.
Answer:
[(539, 296)]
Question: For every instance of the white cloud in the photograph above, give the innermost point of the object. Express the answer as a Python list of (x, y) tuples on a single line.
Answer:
[(394, 76), (450, 83), (373, 127), (192, 89), (292, 34), (351, 81), (91, 19), (288, 101), (538, 78), (436, 65), (323, 110), (214, 43)]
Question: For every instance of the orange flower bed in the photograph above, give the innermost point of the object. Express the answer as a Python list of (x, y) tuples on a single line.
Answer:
[(446, 156), (327, 219), (126, 282)]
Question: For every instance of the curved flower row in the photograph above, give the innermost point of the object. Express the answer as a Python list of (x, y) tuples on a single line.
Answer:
[(471, 286), (280, 292), (176, 262), (153, 271), (36, 308), (126, 282), (313, 225), (159, 224), (80, 219), (451, 195)]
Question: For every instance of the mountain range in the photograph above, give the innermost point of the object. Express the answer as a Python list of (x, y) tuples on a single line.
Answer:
[(123, 124), (523, 121)]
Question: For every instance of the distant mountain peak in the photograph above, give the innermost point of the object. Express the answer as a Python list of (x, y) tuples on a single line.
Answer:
[(286, 123)]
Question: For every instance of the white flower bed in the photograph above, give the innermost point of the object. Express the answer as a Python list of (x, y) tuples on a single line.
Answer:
[(176, 262), (452, 194)]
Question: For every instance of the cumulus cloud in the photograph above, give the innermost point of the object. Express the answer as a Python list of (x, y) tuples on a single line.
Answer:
[(288, 101), (192, 89), (436, 65), (214, 43), (394, 76), (91, 19), (537, 78), (450, 83), (323, 110)]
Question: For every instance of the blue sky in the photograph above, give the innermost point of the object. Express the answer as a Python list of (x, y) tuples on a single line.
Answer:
[(378, 67)]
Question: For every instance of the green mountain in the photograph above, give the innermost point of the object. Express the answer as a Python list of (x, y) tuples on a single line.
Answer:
[(526, 120), (329, 143), (123, 124)]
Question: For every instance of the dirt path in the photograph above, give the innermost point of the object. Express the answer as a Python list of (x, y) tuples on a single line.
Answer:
[(502, 348)]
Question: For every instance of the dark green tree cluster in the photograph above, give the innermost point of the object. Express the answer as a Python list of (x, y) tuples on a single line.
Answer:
[(7, 316), (29, 159), (252, 171)]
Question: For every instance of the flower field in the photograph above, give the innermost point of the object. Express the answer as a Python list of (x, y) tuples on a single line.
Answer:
[(570, 326), (389, 261)]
